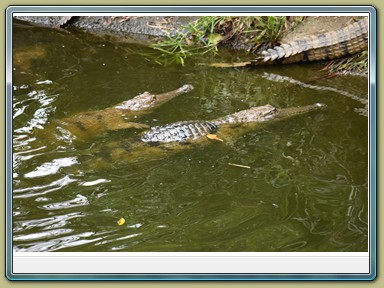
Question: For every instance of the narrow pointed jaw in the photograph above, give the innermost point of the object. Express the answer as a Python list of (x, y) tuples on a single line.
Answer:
[(164, 97), (292, 111)]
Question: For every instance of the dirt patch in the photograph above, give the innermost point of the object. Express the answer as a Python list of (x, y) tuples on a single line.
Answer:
[(316, 25)]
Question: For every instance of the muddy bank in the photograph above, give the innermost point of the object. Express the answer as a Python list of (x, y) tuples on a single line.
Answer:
[(151, 29), (163, 26), (155, 26)]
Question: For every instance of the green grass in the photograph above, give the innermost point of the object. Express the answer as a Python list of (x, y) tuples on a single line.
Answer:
[(356, 64), (207, 33)]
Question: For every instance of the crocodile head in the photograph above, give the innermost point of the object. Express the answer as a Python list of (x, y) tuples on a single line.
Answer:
[(292, 111), (140, 102), (265, 113), (148, 100), (254, 114), (259, 114)]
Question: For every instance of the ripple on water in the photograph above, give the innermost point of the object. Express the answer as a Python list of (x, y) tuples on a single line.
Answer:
[(42, 235), (39, 190), (53, 222), (49, 168), (80, 200), (57, 243)]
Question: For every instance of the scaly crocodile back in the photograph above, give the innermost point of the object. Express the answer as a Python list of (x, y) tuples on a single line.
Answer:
[(192, 130), (178, 132), (334, 44)]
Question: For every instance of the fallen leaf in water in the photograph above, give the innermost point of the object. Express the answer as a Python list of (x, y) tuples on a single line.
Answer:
[(121, 221), (214, 137)]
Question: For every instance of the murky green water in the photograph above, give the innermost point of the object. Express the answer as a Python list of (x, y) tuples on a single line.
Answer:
[(306, 189)]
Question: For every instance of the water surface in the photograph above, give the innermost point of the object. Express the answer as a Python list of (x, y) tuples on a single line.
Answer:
[(306, 188)]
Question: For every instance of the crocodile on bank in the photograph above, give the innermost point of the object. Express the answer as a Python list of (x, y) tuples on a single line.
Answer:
[(346, 41), (176, 136), (121, 116)]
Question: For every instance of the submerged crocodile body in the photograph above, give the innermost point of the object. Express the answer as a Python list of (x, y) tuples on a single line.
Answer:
[(180, 136), (121, 116), (189, 131), (346, 41)]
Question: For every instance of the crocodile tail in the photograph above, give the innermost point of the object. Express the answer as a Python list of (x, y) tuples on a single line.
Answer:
[(334, 44)]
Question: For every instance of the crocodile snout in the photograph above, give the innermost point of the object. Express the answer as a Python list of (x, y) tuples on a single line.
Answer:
[(186, 88), (320, 105)]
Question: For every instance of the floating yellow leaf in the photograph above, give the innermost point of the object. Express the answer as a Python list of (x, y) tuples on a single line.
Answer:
[(121, 221), (214, 137)]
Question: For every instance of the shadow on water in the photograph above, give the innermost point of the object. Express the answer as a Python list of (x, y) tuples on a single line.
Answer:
[(306, 188)]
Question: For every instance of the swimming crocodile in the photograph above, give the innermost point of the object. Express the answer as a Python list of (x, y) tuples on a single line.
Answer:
[(189, 131), (120, 116), (176, 136), (346, 41)]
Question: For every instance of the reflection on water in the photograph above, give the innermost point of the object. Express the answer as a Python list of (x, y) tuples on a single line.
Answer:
[(38, 190), (306, 188), (53, 167)]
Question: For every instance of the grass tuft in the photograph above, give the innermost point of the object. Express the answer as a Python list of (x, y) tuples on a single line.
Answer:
[(207, 33), (355, 64)]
